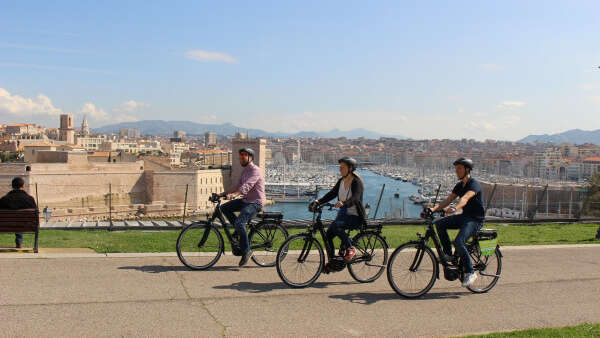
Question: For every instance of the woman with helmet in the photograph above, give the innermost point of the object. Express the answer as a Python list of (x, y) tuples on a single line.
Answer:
[(469, 221), (349, 191)]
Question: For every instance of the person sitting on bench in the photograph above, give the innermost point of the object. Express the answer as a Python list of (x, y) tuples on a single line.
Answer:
[(17, 199)]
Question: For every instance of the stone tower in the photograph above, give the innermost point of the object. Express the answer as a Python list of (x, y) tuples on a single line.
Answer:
[(66, 131), (85, 129)]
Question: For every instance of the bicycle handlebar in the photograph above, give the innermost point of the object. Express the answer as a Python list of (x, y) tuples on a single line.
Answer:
[(215, 198), (430, 215)]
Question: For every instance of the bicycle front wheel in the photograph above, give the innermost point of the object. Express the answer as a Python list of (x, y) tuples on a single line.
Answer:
[(199, 246), (487, 269), (412, 270), (300, 260), (265, 240), (370, 259)]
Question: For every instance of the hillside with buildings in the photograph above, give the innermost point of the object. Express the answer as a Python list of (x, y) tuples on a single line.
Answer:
[(78, 171)]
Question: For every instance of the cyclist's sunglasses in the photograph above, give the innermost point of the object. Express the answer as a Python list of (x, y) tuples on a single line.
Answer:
[(243, 155)]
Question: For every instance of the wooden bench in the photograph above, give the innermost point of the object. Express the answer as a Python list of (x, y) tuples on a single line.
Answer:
[(25, 220)]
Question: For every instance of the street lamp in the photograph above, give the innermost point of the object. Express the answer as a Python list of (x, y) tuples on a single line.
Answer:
[(47, 213)]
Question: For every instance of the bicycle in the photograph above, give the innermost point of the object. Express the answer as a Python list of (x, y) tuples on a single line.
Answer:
[(415, 263), (300, 259), (200, 244)]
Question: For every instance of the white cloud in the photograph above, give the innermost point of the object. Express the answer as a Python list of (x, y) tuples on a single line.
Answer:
[(90, 110), (131, 106), (100, 116), (595, 98), (15, 104), (206, 56), (512, 104)]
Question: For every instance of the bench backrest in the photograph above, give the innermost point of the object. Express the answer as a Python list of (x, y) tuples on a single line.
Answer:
[(25, 220)]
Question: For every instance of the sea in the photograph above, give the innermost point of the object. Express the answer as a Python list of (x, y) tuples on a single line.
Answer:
[(390, 206)]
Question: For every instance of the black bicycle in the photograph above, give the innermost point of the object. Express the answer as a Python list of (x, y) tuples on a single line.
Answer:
[(300, 259), (413, 267), (200, 244)]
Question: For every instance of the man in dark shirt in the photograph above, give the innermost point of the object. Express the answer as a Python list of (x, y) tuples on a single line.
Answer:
[(17, 199), (469, 221)]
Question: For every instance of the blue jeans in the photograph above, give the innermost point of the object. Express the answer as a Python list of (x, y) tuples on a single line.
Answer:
[(247, 211), (338, 228), (468, 227)]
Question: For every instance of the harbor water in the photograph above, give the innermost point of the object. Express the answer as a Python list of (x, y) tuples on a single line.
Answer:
[(389, 207)]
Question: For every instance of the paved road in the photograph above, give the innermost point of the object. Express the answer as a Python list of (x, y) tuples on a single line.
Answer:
[(156, 296)]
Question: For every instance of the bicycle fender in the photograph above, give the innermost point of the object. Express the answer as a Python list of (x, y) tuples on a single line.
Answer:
[(499, 252)]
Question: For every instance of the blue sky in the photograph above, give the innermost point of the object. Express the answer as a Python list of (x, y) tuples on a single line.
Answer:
[(448, 69)]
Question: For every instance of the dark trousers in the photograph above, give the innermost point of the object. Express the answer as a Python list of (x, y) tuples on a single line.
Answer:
[(338, 228), (247, 211), (468, 227), (18, 238)]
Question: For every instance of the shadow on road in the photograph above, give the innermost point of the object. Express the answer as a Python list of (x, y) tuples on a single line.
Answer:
[(266, 287), (167, 268), (371, 298)]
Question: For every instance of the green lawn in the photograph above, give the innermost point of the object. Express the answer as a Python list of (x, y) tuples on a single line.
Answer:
[(582, 330), (164, 241)]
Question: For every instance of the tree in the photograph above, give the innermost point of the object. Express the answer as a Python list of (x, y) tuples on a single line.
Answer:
[(591, 204)]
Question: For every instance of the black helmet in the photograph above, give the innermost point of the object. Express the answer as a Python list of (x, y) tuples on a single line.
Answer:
[(248, 151), (349, 161), (465, 162)]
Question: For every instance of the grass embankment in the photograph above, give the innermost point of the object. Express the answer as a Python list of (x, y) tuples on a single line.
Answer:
[(582, 330), (164, 241)]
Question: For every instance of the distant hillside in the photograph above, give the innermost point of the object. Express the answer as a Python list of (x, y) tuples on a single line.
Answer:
[(158, 127), (576, 136)]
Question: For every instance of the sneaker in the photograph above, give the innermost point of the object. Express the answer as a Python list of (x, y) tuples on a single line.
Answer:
[(349, 254), (469, 279), (245, 258)]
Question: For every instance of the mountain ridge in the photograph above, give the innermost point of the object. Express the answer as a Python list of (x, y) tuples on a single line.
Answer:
[(576, 136), (160, 127)]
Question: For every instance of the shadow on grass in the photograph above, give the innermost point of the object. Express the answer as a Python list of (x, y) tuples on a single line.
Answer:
[(267, 287), (371, 298), (167, 268)]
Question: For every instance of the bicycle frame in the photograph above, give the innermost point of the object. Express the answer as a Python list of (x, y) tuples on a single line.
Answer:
[(218, 214), (318, 226)]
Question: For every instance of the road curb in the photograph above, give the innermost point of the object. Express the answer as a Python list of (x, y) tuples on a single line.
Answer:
[(228, 253)]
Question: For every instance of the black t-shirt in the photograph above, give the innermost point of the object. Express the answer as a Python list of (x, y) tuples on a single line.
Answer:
[(474, 207)]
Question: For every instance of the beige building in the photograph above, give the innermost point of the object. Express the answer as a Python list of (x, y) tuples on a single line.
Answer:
[(91, 143)]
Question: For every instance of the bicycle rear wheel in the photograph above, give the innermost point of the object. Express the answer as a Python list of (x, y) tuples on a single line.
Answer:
[(199, 246), (265, 240), (412, 270), (300, 260), (487, 269), (371, 257)]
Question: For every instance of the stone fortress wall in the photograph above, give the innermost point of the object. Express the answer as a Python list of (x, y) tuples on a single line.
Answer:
[(75, 191)]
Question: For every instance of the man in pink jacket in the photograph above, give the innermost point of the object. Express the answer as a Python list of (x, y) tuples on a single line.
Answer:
[(252, 186)]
